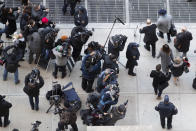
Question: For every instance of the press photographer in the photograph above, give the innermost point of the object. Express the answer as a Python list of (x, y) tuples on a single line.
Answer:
[(4, 111), (116, 44), (91, 66), (33, 83), (11, 62), (106, 77), (109, 97), (79, 37), (81, 17), (110, 61), (62, 53), (67, 117)]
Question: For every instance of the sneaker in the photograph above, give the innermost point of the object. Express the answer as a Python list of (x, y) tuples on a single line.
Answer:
[(63, 76), (17, 82), (6, 124)]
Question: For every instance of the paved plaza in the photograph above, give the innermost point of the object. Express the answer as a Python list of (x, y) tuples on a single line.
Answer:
[(140, 116)]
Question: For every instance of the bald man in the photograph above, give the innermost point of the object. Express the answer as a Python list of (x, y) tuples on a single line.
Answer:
[(150, 36), (183, 39)]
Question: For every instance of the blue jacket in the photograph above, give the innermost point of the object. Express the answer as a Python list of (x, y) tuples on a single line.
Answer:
[(92, 72), (166, 110)]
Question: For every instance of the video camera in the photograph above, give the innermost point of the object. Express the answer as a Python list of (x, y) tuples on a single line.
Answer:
[(35, 125), (66, 45), (119, 40), (34, 76)]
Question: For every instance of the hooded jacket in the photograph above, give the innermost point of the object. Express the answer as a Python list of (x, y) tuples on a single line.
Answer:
[(130, 53), (60, 60)]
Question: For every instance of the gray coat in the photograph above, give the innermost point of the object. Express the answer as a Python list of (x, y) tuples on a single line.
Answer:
[(164, 23), (165, 60), (34, 43), (60, 60)]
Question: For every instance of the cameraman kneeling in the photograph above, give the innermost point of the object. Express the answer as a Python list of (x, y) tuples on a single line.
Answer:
[(4, 111), (91, 65), (62, 53), (67, 117), (33, 83)]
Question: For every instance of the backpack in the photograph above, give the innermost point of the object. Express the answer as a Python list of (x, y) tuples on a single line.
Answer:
[(194, 83), (11, 67)]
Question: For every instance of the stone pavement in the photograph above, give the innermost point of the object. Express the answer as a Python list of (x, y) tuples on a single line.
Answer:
[(140, 116)]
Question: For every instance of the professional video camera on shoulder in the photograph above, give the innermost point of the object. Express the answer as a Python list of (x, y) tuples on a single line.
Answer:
[(35, 125), (119, 40)]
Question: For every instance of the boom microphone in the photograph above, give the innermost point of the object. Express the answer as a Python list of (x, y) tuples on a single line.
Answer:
[(119, 20)]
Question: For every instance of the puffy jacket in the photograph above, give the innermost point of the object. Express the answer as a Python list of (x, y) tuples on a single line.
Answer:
[(33, 91), (177, 69), (166, 110), (4, 107), (164, 23), (92, 72), (183, 41)]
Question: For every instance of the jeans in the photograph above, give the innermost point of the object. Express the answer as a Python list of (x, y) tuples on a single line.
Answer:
[(31, 101), (15, 75), (3, 30)]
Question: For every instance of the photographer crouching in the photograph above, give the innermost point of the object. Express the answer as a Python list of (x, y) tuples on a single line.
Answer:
[(91, 66), (4, 111), (62, 53), (33, 83)]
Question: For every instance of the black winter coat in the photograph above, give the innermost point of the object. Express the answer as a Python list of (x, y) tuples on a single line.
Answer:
[(159, 79), (33, 91), (177, 69), (4, 107), (166, 110), (109, 63), (132, 55), (24, 21), (183, 41), (81, 19), (115, 117), (37, 15), (12, 17), (12, 59), (150, 33)]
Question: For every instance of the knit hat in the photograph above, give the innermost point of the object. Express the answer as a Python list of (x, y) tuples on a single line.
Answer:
[(162, 12), (166, 99), (59, 48), (121, 108), (64, 37), (44, 20)]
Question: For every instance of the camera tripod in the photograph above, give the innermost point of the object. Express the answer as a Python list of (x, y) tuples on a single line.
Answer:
[(56, 107)]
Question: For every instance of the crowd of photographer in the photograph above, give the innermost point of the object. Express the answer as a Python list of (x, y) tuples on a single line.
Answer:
[(39, 33)]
